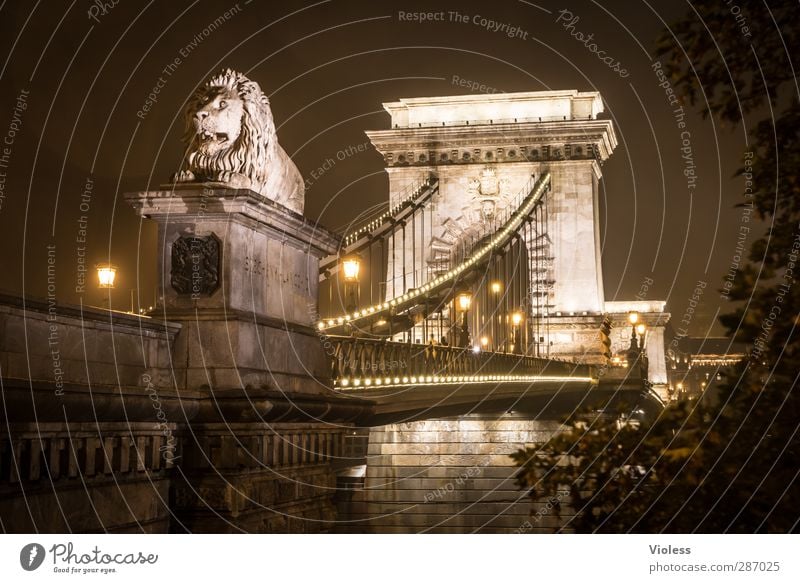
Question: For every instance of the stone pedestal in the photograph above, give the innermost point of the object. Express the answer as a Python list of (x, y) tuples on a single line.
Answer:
[(241, 273)]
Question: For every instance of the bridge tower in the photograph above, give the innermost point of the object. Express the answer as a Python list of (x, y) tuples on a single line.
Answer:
[(484, 149)]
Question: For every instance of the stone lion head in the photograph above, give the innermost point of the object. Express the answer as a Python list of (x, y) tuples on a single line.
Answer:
[(230, 137)]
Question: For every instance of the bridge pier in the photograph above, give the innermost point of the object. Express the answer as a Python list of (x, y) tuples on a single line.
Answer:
[(448, 475), (239, 272)]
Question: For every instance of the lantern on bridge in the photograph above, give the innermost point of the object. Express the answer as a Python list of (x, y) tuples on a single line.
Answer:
[(351, 267)]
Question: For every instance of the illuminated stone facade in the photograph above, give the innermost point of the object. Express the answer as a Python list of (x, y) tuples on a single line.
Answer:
[(484, 149)]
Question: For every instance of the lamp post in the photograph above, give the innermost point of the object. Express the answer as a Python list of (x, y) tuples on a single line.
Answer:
[(106, 274), (644, 363), (496, 288), (464, 301), (636, 349), (351, 266), (633, 349), (516, 320), (641, 328)]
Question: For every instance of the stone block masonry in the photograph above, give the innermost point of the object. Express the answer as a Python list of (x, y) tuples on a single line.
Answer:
[(447, 476)]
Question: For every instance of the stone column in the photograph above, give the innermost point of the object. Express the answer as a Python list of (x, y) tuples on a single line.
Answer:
[(657, 361), (574, 229)]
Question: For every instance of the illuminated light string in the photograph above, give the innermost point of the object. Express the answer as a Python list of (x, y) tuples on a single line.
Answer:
[(374, 224), (497, 239), (397, 381)]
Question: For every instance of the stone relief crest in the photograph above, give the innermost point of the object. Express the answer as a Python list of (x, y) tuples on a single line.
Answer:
[(487, 197), (195, 265)]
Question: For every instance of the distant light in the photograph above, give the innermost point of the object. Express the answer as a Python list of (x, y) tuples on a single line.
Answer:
[(633, 317), (476, 349), (516, 318), (484, 341), (497, 287)]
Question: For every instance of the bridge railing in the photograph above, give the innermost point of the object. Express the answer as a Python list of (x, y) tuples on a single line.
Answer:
[(365, 362)]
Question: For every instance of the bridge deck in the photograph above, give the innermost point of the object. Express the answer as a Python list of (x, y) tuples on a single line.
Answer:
[(547, 398)]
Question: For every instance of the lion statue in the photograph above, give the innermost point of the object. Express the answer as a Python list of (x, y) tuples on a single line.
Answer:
[(231, 138)]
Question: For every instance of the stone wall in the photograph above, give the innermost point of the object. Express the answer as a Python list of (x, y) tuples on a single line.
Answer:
[(105, 441), (64, 344), (241, 478), (448, 476)]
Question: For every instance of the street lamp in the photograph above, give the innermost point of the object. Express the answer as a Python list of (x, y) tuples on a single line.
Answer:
[(636, 349), (496, 288), (640, 329), (516, 320), (484, 341), (351, 266), (464, 301), (633, 349), (106, 273)]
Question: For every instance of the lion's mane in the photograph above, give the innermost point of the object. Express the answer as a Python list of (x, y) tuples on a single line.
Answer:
[(255, 154)]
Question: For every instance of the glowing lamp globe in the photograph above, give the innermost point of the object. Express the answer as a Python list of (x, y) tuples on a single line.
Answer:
[(351, 266), (106, 274)]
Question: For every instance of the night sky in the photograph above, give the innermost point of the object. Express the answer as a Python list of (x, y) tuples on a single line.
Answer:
[(327, 67)]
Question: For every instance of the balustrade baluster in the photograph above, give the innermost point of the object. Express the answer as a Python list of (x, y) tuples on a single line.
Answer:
[(359, 359)]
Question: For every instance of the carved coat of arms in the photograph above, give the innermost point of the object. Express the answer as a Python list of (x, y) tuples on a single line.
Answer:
[(488, 195), (195, 265)]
